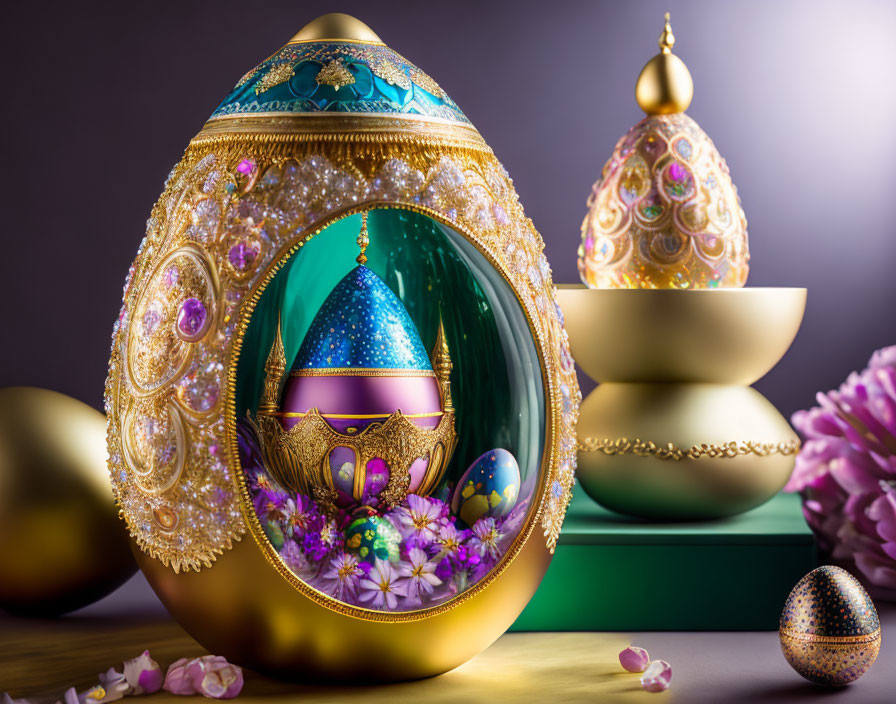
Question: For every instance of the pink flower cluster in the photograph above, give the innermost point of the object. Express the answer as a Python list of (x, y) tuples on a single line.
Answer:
[(846, 472), (437, 557)]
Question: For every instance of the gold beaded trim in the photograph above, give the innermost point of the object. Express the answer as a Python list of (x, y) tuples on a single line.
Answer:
[(831, 640), (624, 446)]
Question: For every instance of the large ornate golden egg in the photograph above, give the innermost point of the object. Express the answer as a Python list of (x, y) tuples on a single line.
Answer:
[(338, 307), (665, 212)]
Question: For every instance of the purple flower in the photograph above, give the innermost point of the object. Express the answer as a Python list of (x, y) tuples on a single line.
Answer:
[(486, 538), (296, 560), (382, 586), (340, 579), (420, 573), (846, 472), (450, 540), (270, 505), (298, 513), (419, 518), (321, 537)]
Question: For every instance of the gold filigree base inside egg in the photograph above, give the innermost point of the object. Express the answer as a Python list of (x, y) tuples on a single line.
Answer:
[(665, 213)]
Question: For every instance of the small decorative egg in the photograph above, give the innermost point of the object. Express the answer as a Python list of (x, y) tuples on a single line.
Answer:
[(373, 538), (830, 632), (489, 488), (664, 212)]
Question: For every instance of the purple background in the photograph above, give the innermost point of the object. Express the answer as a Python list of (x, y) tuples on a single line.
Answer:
[(799, 97)]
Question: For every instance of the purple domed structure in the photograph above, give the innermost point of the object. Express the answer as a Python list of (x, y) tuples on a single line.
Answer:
[(366, 417)]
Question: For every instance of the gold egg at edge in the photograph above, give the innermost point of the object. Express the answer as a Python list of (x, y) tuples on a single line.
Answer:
[(62, 545)]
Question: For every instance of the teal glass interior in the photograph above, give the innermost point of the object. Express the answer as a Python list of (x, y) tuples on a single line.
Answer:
[(496, 381)]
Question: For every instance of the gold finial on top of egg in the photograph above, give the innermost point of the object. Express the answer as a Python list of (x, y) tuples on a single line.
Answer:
[(664, 213)]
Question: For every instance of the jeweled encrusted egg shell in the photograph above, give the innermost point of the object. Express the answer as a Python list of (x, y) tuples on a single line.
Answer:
[(665, 213), (830, 631)]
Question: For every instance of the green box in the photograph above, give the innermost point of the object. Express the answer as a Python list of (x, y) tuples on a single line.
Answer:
[(615, 573)]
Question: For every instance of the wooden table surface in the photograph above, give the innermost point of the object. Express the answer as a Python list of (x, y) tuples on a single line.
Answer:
[(41, 658)]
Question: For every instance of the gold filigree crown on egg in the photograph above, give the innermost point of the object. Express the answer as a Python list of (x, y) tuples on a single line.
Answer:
[(358, 424)]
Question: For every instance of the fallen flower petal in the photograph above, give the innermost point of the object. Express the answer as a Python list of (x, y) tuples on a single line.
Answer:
[(634, 659), (657, 676), (214, 677), (143, 674), (178, 680), (7, 699), (94, 694), (115, 684)]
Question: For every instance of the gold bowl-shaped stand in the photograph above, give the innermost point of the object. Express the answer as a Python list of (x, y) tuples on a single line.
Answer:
[(673, 430)]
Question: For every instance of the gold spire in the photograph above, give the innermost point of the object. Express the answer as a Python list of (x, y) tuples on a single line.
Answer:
[(667, 39), (363, 240), (665, 85), (274, 368), (442, 366)]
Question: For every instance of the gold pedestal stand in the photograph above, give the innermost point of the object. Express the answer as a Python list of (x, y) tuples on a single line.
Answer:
[(674, 431)]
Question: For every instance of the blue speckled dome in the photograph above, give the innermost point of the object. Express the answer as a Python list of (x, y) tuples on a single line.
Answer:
[(362, 325), (338, 75)]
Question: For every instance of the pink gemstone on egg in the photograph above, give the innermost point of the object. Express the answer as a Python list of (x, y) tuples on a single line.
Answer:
[(246, 166), (151, 319), (171, 276), (191, 318), (241, 256), (677, 172)]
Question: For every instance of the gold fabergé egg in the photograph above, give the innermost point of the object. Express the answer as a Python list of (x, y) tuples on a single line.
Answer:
[(338, 313), (665, 212), (830, 631)]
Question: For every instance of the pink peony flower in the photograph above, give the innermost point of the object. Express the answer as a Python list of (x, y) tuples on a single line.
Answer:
[(143, 674), (846, 472), (214, 677)]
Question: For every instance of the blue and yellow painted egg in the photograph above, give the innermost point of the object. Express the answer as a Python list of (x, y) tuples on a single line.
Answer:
[(373, 538), (489, 488)]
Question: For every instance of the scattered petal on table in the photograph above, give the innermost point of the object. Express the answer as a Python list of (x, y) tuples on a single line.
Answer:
[(7, 699), (115, 684), (657, 676), (143, 674), (178, 680), (214, 677), (634, 659)]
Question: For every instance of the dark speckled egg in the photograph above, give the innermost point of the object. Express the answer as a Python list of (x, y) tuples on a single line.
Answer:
[(830, 632)]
